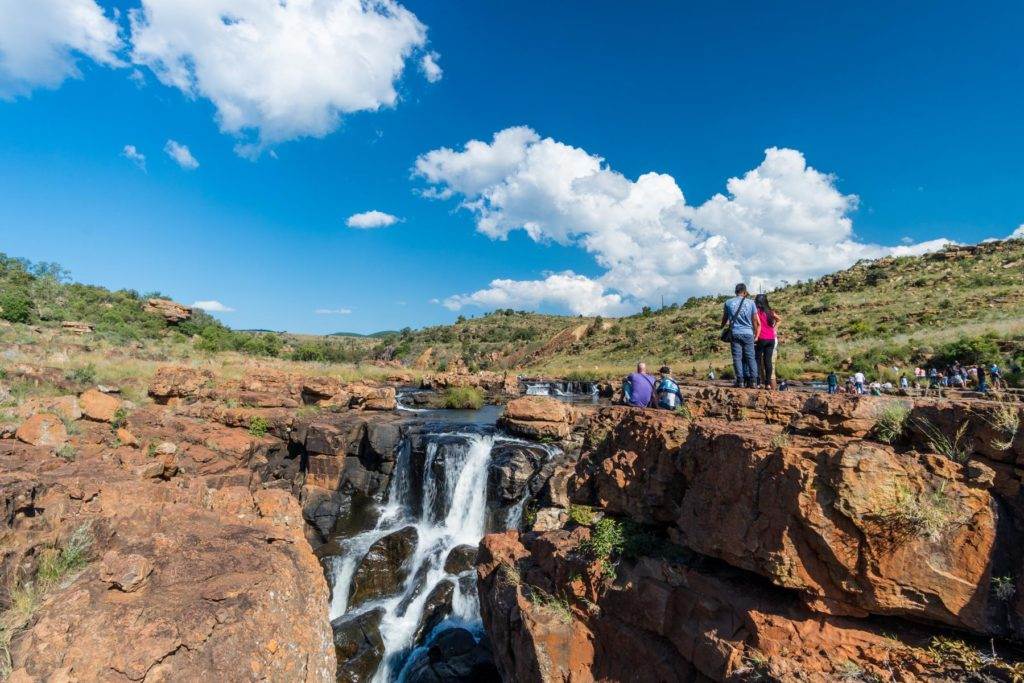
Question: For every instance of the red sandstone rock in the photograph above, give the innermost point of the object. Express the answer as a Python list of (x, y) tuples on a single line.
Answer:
[(43, 429), (179, 382), (99, 406), (173, 313), (539, 417), (64, 406)]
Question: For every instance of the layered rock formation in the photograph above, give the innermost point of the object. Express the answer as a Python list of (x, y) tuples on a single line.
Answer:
[(771, 535), (172, 541)]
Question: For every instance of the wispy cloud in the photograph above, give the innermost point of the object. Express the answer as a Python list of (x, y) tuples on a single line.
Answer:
[(212, 306), (182, 155), (333, 311), (135, 156), (371, 219)]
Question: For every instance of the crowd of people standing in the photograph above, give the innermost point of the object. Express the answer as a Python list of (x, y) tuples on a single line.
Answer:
[(750, 326)]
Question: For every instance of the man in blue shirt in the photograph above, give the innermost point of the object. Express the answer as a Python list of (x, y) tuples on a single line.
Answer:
[(740, 315), (638, 388)]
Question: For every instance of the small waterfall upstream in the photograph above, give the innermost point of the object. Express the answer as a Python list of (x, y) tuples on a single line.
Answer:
[(443, 496)]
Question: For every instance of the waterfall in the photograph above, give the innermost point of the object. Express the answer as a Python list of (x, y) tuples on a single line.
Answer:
[(453, 512)]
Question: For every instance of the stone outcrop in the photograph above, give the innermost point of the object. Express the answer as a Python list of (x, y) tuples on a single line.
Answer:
[(539, 417), (172, 313), (765, 535), (170, 548)]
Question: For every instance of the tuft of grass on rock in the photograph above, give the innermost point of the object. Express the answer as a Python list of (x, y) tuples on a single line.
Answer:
[(67, 452), (927, 515), (463, 398), (1005, 419), (891, 421), (956, 448)]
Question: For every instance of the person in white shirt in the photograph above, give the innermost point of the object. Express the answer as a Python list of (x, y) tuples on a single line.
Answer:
[(858, 381)]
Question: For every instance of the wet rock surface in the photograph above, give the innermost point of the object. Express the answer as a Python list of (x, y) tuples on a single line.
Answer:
[(385, 567), (358, 645), (461, 558), (454, 656)]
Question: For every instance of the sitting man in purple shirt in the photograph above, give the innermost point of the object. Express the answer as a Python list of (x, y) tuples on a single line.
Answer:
[(638, 388)]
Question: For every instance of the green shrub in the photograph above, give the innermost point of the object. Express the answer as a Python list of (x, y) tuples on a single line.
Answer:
[(67, 452), (607, 540), (1003, 588), (85, 375), (258, 426), (891, 421), (581, 514), (463, 398), (15, 306), (120, 419)]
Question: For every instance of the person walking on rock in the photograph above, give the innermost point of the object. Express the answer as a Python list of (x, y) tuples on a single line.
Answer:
[(638, 388), (740, 327), (767, 345), (832, 381)]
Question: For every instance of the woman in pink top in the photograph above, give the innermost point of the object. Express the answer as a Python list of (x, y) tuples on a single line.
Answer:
[(767, 345)]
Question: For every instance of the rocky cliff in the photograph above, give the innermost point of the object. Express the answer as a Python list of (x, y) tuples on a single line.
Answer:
[(172, 541), (757, 536)]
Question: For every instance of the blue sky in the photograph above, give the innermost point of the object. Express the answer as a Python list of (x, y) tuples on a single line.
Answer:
[(915, 108)]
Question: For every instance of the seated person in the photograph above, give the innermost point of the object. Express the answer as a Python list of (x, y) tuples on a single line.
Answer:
[(669, 396)]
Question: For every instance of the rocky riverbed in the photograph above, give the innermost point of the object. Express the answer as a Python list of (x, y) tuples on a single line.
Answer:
[(277, 527)]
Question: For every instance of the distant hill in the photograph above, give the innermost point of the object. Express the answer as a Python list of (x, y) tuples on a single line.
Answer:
[(963, 301), (374, 335)]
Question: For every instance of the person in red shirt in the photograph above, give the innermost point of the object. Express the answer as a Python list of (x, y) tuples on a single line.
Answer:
[(767, 345)]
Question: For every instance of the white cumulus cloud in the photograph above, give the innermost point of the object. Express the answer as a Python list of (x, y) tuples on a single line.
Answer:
[(432, 71), (135, 156), (279, 70), (212, 306), (332, 311), (371, 219), (41, 42), (781, 221), (1018, 233), (181, 154)]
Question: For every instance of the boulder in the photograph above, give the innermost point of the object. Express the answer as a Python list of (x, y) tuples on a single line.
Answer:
[(372, 398), (64, 406), (43, 429), (125, 572), (385, 567), (454, 656), (99, 406), (436, 609), (172, 313), (180, 381), (461, 558), (538, 417), (358, 645)]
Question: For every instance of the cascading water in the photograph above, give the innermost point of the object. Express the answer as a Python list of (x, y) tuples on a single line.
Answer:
[(450, 511)]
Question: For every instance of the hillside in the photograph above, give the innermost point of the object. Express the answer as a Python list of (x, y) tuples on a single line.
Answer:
[(963, 302)]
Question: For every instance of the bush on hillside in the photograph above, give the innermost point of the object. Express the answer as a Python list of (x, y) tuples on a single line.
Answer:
[(15, 306)]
